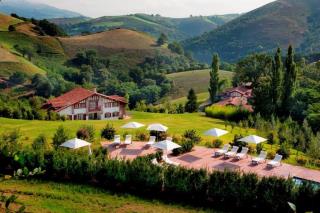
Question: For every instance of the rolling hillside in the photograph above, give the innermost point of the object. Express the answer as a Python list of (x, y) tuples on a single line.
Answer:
[(175, 28), (279, 23), (198, 80), (29, 9)]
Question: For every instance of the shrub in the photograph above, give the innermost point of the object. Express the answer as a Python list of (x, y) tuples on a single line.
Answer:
[(192, 135), (108, 132), (238, 143), (60, 137), (284, 150), (271, 154), (252, 149), (186, 146), (302, 161), (259, 148), (229, 113), (160, 135), (86, 133), (40, 143), (18, 78), (217, 143), (141, 136)]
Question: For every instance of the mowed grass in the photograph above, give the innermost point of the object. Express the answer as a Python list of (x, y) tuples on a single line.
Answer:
[(201, 97), (198, 80), (40, 196), (177, 124)]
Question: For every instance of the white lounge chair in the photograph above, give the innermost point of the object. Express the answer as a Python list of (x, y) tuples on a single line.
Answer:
[(128, 140), (222, 151), (116, 141), (275, 162), (261, 158), (243, 154), (232, 153), (168, 161), (152, 140)]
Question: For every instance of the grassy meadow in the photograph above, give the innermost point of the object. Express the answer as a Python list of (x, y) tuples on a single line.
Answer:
[(197, 79), (177, 123), (40, 196)]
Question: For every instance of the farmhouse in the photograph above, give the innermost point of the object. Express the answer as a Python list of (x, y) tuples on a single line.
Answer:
[(83, 104), (237, 96)]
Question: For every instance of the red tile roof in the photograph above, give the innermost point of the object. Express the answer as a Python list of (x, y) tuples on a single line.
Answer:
[(242, 90), (76, 95)]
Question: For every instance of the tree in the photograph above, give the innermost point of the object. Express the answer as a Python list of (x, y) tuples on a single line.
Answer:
[(262, 96), (11, 28), (289, 84), (162, 39), (214, 78), (276, 82), (40, 143), (42, 85), (176, 47), (18, 78), (191, 105), (60, 137)]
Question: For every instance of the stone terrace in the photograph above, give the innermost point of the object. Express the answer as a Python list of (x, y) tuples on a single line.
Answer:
[(201, 157)]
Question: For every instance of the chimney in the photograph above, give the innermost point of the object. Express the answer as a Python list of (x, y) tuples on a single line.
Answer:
[(94, 90)]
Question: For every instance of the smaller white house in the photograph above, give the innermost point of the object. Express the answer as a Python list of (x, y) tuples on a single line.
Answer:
[(82, 104)]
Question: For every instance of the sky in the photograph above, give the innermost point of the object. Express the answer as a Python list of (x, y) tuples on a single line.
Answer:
[(170, 8)]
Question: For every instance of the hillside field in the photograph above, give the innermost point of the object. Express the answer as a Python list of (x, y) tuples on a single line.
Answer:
[(198, 80), (40, 196)]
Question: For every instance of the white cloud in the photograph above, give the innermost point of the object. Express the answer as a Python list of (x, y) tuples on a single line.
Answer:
[(171, 8)]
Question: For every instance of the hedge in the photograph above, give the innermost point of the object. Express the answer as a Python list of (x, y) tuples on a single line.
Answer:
[(229, 113), (229, 191)]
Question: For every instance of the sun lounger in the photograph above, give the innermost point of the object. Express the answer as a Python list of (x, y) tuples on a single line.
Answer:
[(222, 151), (232, 153), (243, 154), (261, 158), (128, 140), (152, 140), (275, 162), (168, 161), (116, 141)]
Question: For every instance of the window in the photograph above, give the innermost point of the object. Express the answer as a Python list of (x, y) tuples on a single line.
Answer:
[(115, 114), (80, 105), (115, 104), (108, 115), (108, 105)]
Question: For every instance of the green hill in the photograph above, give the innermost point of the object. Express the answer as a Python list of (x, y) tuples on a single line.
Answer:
[(198, 80), (175, 28), (280, 23)]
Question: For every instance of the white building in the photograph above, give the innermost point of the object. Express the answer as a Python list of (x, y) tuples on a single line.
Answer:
[(82, 104)]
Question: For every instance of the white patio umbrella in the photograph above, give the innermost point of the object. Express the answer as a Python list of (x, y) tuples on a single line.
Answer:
[(215, 132), (132, 125), (76, 143), (157, 127), (253, 139), (166, 145)]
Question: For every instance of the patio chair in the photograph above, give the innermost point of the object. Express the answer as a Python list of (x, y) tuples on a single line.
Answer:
[(261, 158), (128, 140), (168, 161), (232, 153), (152, 140), (243, 154), (116, 141), (275, 162), (222, 151)]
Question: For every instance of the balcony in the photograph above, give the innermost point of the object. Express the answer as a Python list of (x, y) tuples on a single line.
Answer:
[(94, 109)]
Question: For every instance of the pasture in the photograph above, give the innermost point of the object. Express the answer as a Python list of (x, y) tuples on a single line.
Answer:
[(197, 79)]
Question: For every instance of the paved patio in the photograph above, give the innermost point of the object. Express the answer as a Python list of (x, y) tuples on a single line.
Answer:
[(201, 157)]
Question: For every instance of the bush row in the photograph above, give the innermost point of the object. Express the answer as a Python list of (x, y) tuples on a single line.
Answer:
[(226, 190), (229, 113)]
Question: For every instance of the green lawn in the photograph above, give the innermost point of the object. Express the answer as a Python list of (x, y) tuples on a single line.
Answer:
[(198, 80), (177, 124), (202, 97), (40, 196)]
